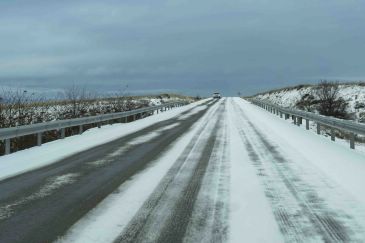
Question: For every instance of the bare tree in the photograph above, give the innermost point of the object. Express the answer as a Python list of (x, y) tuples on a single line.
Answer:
[(118, 100), (78, 100), (329, 102)]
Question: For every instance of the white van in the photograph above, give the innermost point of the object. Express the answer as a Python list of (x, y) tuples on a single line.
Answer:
[(216, 95)]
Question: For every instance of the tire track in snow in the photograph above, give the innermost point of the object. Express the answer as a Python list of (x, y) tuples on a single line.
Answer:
[(177, 192), (311, 217), (209, 222)]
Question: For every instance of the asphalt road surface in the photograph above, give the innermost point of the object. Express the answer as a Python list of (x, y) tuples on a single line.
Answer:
[(191, 203)]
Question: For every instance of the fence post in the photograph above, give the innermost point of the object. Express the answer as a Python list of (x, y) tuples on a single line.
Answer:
[(318, 128), (333, 137), (7, 146), (281, 114), (63, 133), (295, 120), (352, 140), (307, 124), (39, 139), (81, 129), (300, 121)]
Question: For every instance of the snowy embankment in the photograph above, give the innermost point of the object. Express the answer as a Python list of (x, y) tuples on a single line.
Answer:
[(353, 94), (36, 157)]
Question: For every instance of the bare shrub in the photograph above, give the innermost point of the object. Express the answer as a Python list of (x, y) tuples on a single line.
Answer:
[(307, 102), (329, 102)]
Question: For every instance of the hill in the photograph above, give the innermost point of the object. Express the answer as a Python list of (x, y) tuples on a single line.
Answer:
[(352, 93)]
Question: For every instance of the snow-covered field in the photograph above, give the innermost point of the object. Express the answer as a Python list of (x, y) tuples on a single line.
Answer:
[(25, 111)]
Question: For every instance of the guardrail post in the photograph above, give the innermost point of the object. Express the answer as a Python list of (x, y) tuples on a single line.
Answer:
[(39, 139), (7, 146), (286, 116), (281, 114), (295, 120), (318, 128), (81, 129), (333, 134), (352, 140), (300, 121), (307, 124), (157, 111), (63, 133)]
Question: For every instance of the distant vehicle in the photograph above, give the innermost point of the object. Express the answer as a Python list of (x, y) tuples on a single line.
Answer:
[(217, 96)]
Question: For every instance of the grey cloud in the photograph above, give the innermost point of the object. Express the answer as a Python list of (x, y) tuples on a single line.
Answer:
[(182, 45)]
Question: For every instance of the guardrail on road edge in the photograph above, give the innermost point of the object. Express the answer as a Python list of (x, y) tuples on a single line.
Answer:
[(352, 128), (6, 134)]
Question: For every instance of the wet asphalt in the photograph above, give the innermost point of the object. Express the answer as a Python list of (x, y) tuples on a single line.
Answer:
[(41, 205)]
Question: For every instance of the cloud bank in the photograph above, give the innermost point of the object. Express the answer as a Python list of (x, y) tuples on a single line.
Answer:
[(184, 46)]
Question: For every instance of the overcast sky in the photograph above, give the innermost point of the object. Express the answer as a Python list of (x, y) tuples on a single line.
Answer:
[(185, 46)]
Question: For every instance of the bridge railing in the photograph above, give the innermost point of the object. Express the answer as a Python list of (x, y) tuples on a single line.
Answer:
[(6, 134), (350, 127)]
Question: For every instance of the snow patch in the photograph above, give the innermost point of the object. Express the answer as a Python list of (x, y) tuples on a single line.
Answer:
[(52, 185)]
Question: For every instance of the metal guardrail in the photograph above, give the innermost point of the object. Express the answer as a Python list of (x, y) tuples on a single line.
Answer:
[(352, 128), (6, 134)]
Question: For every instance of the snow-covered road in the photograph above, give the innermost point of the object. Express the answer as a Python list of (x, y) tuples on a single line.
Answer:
[(223, 171)]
